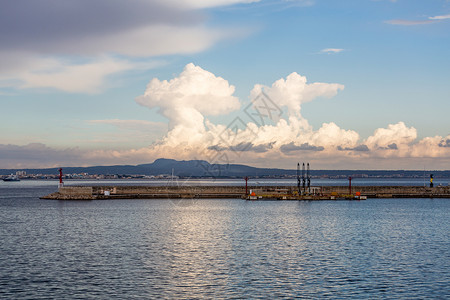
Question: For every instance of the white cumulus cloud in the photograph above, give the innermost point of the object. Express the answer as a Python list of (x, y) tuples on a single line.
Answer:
[(186, 99), (246, 140), (195, 93), (398, 134), (293, 91), (332, 135), (436, 146)]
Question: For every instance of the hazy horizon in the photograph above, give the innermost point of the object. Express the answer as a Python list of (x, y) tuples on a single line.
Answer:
[(290, 169)]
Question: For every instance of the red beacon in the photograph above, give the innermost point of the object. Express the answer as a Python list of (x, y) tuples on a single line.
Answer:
[(61, 184)]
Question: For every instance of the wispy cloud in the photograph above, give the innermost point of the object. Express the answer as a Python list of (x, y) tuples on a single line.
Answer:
[(44, 31), (409, 22), (302, 3), (141, 125), (331, 50), (117, 133), (186, 99), (443, 17), (66, 75), (429, 20)]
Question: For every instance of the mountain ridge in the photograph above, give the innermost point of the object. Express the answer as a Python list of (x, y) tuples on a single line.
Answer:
[(202, 168)]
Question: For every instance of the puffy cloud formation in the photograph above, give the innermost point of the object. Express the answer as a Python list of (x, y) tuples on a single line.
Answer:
[(445, 143), (436, 146), (293, 91), (186, 99), (246, 138), (189, 98), (196, 93), (332, 135), (396, 134)]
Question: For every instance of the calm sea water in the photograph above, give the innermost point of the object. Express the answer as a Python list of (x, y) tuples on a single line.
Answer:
[(146, 249)]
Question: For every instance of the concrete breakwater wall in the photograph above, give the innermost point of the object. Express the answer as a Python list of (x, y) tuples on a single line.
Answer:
[(168, 192), (392, 191)]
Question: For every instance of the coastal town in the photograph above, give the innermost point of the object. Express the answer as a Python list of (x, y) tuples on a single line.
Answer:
[(87, 176)]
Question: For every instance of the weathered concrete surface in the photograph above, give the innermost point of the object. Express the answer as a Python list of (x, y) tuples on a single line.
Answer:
[(79, 190), (72, 193), (392, 191), (59, 196)]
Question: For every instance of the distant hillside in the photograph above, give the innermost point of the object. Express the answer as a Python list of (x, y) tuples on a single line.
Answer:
[(201, 168), (197, 168)]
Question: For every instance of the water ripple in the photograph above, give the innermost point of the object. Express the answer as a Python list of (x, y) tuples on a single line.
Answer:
[(119, 249)]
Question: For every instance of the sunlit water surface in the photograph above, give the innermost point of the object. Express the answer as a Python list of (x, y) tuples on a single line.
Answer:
[(128, 249)]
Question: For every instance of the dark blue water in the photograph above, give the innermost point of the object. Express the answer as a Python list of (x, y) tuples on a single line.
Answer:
[(131, 249)]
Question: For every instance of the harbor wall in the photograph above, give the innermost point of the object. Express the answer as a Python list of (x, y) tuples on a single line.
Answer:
[(160, 192), (79, 190), (72, 193)]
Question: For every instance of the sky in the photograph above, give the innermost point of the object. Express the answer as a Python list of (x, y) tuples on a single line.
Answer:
[(351, 84)]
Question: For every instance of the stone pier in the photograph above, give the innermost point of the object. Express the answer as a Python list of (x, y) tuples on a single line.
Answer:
[(282, 192)]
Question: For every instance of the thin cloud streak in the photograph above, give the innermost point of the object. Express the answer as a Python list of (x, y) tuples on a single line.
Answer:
[(331, 50), (443, 17), (140, 125), (430, 20), (409, 22), (61, 74)]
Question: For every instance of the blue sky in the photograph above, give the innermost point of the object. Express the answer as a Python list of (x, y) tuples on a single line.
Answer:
[(72, 74)]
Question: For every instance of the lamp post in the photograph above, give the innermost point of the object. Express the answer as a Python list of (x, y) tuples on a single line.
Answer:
[(350, 185)]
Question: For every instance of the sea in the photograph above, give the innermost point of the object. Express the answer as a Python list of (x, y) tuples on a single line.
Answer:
[(222, 248)]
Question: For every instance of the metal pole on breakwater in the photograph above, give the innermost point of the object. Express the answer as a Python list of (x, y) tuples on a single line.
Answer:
[(350, 185)]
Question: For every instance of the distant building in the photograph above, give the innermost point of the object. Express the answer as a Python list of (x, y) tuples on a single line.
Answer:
[(21, 173)]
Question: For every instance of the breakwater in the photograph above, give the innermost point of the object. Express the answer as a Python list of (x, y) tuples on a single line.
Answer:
[(260, 192)]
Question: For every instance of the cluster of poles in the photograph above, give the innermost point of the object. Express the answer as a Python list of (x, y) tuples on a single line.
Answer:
[(303, 181)]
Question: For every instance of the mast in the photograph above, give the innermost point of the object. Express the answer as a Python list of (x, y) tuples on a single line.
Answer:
[(303, 178), (308, 177)]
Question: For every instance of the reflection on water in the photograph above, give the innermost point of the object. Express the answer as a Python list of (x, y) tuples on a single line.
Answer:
[(380, 248)]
